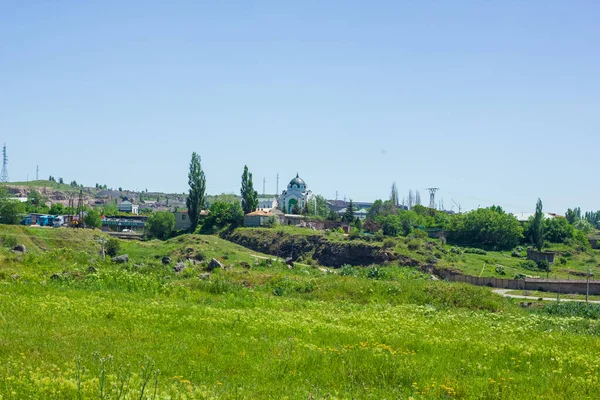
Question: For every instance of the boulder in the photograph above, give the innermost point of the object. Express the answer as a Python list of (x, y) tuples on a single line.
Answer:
[(179, 267), (204, 276), (244, 264), (121, 259), (20, 248), (214, 264), (166, 260), (290, 262)]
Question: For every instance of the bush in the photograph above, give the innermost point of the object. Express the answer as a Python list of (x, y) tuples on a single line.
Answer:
[(419, 234), (9, 241), (515, 254), (456, 250), (520, 276), (375, 273), (543, 265), (388, 244), (529, 264), (500, 270), (562, 261), (113, 246), (472, 250), (160, 224), (414, 245), (271, 222), (347, 270)]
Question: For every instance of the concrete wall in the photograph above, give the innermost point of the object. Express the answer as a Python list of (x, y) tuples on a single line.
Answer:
[(545, 285), (540, 255)]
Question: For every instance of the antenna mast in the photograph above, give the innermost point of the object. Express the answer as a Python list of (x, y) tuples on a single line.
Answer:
[(432, 196), (37, 172), (4, 174)]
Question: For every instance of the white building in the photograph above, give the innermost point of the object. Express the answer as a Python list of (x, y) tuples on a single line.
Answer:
[(128, 207), (296, 195), (267, 203)]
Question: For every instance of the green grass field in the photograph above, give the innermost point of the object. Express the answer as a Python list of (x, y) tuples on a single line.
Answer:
[(141, 330)]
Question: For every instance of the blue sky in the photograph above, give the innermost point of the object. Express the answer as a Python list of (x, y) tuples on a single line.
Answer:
[(492, 102)]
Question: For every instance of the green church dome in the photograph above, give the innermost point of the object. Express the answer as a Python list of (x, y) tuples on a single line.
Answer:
[(297, 181)]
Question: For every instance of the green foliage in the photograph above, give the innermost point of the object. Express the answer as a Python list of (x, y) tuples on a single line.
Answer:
[(9, 241), (222, 214), (249, 195), (36, 203), (543, 265), (196, 197), (348, 270), (11, 212), (500, 270), (536, 226), (388, 244), (473, 250), (584, 226), (322, 206), (93, 219), (112, 247), (520, 276), (558, 230), (56, 209), (271, 222), (485, 227), (110, 209), (529, 264), (348, 216), (160, 225), (573, 215), (419, 234)]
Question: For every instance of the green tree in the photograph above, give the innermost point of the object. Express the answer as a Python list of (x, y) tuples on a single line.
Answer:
[(11, 211), (196, 196), (57, 209), (485, 227), (558, 230), (222, 214), (93, 219), (36, 203), (110, 209), (60, 181), (113, 246), (573, 215), (536, 226), (584, 226), (318, 206), (249, 195), (348, 216), (160, 225)]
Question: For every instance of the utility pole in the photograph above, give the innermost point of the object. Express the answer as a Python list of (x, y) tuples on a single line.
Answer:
[(587, 284), (264, 183), (277, 187), (37, 172)]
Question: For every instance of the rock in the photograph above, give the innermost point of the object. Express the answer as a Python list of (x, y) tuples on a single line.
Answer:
[(434, 278), (290, 262), (179, 267), (204, 276), (166, 260), (20, 248), (244, 264), (214, 264), (91, 270), (121, 259)]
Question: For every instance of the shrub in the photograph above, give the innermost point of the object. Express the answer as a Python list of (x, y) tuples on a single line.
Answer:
[(160, 224), (456, 250), (347, 270), (419, 234), (500, 270), (388, 244), (113, 246), (529, 264), (375, 273), (9, 241), (520, 276), (516, 254), (568, 253), (472, 250), (414, 245), (543, 265), (562, 261)]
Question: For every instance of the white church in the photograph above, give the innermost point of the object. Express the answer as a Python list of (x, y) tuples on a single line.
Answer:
[(296, 194)]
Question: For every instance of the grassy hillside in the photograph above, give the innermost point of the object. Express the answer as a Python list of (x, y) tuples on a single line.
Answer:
[(140, 329)]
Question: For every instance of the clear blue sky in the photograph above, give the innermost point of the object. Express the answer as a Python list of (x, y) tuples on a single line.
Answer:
[(493, 102)]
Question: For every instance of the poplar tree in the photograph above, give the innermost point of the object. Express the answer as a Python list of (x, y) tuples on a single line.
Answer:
[(196, 195), (536, 228), (249, 195)]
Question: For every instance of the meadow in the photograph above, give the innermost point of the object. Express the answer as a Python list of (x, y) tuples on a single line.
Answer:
[(73, 325)]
